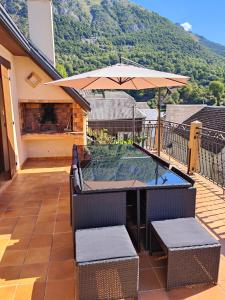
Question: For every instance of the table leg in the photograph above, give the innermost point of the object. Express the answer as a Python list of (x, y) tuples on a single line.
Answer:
[(138, 219)]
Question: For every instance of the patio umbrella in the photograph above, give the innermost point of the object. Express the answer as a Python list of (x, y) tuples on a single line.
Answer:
[(124, 77)]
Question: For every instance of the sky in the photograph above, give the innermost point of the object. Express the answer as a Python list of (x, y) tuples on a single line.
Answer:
[(204, 17)]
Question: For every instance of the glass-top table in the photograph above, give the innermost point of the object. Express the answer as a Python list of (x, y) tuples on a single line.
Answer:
[(98, 169), (105, 167)]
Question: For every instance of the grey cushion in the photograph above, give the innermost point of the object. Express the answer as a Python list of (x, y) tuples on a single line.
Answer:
[(103, 243), (184, 232)]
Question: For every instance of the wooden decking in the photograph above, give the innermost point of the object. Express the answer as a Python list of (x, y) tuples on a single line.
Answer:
[(36, 249)]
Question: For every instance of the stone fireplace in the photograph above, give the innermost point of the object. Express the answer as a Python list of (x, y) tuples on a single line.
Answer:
[(46, 117)]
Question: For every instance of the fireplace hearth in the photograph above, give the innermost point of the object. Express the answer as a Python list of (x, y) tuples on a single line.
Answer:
[(46, 117)]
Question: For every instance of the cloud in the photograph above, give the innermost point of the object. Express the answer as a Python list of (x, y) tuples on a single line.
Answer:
[(187, 26)]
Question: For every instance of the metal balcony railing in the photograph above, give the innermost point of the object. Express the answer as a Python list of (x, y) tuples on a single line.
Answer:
[(174, 142)]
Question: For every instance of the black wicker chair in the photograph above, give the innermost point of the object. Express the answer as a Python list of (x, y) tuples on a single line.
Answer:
[(98, 210), (163, 204)]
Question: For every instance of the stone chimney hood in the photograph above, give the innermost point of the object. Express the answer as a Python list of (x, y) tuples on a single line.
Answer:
[(41, 31)]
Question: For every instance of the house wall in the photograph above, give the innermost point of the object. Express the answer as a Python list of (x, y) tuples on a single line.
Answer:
[(20, 149), (46, 145), (40, 145)]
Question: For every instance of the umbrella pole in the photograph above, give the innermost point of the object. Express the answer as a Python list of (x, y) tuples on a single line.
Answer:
[(159, 121)]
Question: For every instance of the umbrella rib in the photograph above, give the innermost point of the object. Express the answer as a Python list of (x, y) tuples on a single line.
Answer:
[(84, 87), (134, 84), (128, 79), (120, 82), (175, 81), (113, 80)]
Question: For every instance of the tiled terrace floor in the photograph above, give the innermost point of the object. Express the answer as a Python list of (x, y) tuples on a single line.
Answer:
[(36, 252)]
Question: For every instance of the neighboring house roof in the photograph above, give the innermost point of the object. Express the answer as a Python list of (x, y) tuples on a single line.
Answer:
[(142, 105), (114, 105), (178, 113), (37, 56), (212, 118)]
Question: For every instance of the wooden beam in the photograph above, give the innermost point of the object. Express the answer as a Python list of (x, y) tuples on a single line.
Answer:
[(5, 63)]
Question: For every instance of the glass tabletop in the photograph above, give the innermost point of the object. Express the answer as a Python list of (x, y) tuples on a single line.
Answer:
[(122, 166)]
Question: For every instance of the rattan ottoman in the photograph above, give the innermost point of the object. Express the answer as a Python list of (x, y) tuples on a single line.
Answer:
[(192, 253), (107, 264)]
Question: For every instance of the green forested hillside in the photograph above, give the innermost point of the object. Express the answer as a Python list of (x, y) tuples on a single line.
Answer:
[(92, 33)]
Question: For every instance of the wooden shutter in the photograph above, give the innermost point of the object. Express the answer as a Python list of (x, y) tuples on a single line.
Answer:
[(9, 118)]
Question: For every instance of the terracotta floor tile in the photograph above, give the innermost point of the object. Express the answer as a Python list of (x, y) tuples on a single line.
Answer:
[(23, 229), (62, 240), (153, 295), (9, 275), (21, 235), (60, 289), (213, 293), (190, 293), (44, 211), (62, 226), (19, 244), (63, 210), (30, 211), (148, 280), (33, 203), (62, 253), (41, 240), (62, 217), (34, 291), (222, 285), (222, 268), (8, 221), (44, 228), (11, 213), (7, 292), (6, 229), (46, 218), (161, 275), (144, 262), (3, 244), (27, 220), (13, 258), (34, 272), (37, 255), (61, 270)]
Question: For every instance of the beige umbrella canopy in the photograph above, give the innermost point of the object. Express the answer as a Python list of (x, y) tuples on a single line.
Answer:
[(124, 77)]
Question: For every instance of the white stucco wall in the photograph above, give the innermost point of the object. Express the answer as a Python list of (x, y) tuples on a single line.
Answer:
[(24, 67), (43, 146), (20, 149), (49, 146)]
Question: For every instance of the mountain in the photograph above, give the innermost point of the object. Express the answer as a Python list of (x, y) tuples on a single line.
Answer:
[(92, 33), (215, 47)]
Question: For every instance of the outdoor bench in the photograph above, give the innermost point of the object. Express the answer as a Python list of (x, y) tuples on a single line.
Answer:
[(107, 264), (192, 253)]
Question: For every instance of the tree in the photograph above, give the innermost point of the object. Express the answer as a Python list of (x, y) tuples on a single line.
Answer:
[(61, 69), (217, 89)]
